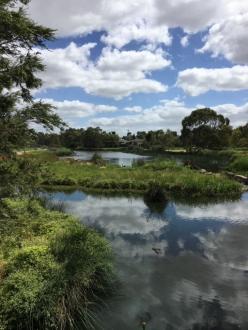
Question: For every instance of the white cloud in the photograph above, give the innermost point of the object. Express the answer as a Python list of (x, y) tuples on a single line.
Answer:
[(197, 81), (185, 41), (136, 109), (116, 74), (73, 111), (229, 39), (167, 115), (82, 16), (124, 21), (142, 32)]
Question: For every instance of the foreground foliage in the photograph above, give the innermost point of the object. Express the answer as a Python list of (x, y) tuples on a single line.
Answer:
[(53, 270)]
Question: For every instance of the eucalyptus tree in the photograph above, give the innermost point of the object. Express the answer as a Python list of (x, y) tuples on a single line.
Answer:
[(205, 128)]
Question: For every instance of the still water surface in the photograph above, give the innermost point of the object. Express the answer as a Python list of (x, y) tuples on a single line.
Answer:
[(113, 157), (181, 266)]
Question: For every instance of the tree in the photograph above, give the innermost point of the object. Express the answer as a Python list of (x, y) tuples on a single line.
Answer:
[(20, 41), (204, 128), (240, 136)]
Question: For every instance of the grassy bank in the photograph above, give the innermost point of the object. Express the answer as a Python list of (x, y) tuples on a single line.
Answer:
[(167, 174), (239, 164), (54, 272)]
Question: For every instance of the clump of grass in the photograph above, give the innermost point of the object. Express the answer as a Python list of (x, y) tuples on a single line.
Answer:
[(63, 152), (155, 198), (98, 160), (54, 272), (139, 162), (239, 164)]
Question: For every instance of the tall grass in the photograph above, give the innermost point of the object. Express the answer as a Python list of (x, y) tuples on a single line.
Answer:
[(240, 164), (168, 175)]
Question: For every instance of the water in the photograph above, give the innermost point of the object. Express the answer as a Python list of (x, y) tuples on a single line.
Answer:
[(181, 266), (208, 162), (113, 157)]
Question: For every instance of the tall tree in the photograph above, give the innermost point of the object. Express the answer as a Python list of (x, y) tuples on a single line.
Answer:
[(20, 41), (204, 128)]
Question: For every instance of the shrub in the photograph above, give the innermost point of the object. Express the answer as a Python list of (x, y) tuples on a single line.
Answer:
[(55, 275), (63, 152), (97, 159)]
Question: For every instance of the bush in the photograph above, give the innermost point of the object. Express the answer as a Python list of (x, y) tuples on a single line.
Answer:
[(240, 164), (63, 152), (54, 271), (98, 160)]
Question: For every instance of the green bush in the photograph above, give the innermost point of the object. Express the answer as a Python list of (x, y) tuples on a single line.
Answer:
[(240, 164), (54, 272), (98, 160), (63, 152)]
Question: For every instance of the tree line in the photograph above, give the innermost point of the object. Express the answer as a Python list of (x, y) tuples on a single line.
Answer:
[(202, 129)]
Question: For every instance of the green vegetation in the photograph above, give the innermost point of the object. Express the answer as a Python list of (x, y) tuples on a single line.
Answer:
[(239, 165), (204, 128), (63, 152), (167, 174), (53, 271)]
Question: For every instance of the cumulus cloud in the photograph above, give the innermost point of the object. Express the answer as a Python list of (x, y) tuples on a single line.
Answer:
[(73, 111), (149, 21), (83, 16), (142, 32), (167, 114), (197, 81), (229, 39), (185, 41), (116, 74)]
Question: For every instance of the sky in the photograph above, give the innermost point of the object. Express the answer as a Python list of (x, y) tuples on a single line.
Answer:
[(144, 64)]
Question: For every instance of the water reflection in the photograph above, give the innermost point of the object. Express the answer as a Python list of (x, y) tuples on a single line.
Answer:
[(113, 157), (182, 267)]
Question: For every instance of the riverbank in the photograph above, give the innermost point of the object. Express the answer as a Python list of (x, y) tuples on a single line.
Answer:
[(54, 272)]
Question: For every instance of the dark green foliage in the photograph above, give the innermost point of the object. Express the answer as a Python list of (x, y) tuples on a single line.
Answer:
[(20, 177), (53, 271), (204, 128), (19, 64), (62, 152), (239, 164), (240, 136), (155, 198)]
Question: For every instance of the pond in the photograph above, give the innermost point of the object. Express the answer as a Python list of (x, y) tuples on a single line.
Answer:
[(113, 157), (181, 266)]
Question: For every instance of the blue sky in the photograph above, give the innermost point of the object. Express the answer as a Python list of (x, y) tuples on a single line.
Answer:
[(144, 64)]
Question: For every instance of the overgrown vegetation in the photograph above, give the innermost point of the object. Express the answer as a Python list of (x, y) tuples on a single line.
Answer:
[(239, 165), (167, 174), (54, 272)]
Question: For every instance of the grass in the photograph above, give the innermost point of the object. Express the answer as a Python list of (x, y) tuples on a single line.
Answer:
[(54, 272), (239, 165), (167, 174), (63, 152)]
